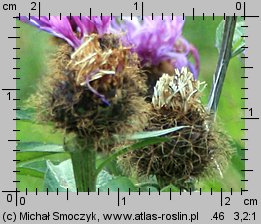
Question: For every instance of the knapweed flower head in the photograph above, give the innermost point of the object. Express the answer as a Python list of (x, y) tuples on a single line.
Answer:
[(196, 150), (159, 43), (95, 88), (71, 29)]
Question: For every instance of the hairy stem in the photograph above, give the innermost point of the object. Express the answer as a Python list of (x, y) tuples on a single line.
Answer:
[(223, 61), (84, 164)]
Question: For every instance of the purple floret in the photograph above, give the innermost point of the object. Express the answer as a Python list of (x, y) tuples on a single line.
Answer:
[(71, 29), (159, 40)]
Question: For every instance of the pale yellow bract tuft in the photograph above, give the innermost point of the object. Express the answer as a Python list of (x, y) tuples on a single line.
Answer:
[(179, 90)]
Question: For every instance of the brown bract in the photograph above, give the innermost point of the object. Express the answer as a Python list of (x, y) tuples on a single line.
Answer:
[(70, 96), (198, 149)]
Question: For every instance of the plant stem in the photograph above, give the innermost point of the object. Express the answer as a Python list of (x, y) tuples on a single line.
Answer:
[(223, 61), (84, 164)]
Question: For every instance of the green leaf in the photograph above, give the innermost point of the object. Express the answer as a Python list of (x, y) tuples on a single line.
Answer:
[(126, 149), (112, 167), (106, 180), (219, 35), (32, 168), (123, 183), (31, 132), (30, 172), (37, 160), (60, 176), (29, 183), (37, 165), (25, 114), (27, 156), (148, 186), (238, 40), (150, 134), (25, 176), (39, 147), (102, 179), (170, 187)]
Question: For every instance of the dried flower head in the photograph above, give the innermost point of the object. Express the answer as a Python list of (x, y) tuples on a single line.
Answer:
[(95, 88), (198, 149)]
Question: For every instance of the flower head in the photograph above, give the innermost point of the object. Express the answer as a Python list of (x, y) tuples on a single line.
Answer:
[(198, 149), (71, 29), (74, 108), (156, 40)]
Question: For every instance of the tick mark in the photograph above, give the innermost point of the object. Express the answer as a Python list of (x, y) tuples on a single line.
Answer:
[(249, 118)]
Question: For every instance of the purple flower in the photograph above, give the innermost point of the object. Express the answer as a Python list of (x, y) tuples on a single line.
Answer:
[(159, 40), (154, 41), (71, 29)]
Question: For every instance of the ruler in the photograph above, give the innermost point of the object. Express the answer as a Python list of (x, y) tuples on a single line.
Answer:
[(234, 206)]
